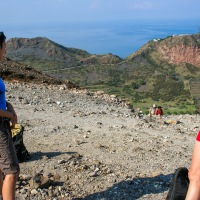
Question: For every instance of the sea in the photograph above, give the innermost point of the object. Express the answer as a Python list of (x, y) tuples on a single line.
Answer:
[(119, 37)]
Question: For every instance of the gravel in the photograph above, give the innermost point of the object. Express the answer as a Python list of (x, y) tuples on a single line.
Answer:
[(88, 147)]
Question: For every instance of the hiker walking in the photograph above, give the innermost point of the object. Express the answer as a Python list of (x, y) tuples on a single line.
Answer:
[(152, 110), (9, 165)]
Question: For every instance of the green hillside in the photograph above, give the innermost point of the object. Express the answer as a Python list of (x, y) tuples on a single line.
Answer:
[(161, 71)]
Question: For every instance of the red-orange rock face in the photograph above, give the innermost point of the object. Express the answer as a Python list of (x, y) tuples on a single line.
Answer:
[(180, 54)]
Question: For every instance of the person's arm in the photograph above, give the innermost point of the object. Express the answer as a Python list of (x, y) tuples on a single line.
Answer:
[(10, 109), (149, 110), (6, 114), (9, 115)]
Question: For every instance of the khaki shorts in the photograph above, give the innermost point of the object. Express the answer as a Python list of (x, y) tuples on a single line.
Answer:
[(8, 160)]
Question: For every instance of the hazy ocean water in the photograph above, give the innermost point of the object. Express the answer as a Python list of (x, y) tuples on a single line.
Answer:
[(117, 37)]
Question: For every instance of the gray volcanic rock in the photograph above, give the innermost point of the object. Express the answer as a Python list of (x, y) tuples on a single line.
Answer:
[(84, 146)]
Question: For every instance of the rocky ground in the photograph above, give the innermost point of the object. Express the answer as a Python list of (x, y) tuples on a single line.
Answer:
[(84, 147)]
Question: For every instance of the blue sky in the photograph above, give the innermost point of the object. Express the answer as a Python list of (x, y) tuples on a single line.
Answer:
[(99, 26), (39, 11)]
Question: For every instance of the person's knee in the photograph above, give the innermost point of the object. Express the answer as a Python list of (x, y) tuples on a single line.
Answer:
[(12, 176)]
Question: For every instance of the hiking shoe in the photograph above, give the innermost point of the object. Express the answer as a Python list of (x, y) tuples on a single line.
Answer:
[(179, 185)]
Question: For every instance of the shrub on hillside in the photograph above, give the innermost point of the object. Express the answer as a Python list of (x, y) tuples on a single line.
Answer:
[(135, 85)]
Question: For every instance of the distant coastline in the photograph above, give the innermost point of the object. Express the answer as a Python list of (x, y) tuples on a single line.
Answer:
[(120, 38)]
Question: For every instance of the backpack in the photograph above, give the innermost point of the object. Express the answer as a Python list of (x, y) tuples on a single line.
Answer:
[(179, 185), (20, 149)]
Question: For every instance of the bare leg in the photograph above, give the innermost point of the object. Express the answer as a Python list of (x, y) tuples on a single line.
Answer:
[(1, 182), (9, 186), (194, 174)]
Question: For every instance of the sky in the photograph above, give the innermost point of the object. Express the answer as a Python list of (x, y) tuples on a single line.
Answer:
[(52, 11), (99, 26)]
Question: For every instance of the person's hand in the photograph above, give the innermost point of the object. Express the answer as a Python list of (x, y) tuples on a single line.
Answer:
[(13, 119)]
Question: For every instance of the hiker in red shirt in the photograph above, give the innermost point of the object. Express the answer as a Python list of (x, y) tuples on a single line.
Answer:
[(159, 111), (194, 172)]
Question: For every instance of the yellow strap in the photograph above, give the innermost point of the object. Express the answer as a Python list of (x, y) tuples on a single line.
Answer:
[(16, 129)]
